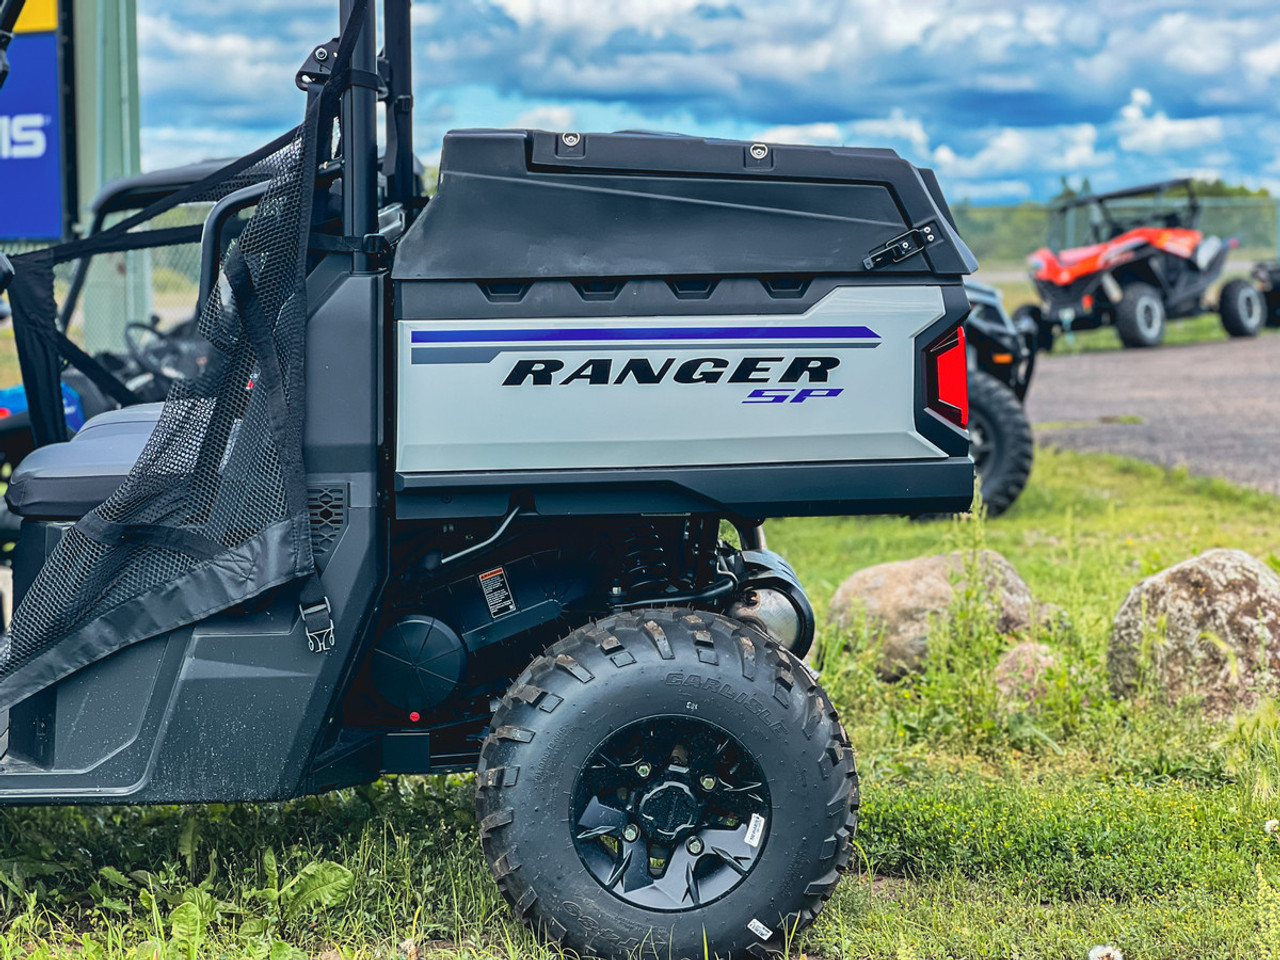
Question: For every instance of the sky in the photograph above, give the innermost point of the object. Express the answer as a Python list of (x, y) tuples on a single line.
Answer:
[(1002, 99)]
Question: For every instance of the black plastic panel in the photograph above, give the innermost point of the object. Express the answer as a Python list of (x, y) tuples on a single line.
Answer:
[(731, 296), (752, 490), (510, 205)]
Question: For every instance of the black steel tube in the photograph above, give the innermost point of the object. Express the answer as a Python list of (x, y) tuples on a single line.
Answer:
[(398, 47), (10, 10), (359, 121)]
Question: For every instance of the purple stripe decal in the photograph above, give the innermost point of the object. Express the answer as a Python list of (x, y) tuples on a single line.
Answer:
[(604, 334)]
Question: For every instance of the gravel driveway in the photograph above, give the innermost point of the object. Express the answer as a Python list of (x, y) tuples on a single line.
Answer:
[(1212, 407)]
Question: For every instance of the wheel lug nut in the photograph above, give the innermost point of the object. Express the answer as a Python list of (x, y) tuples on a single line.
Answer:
[(643, 769), (708, 782), (630, 833), (694, 846)]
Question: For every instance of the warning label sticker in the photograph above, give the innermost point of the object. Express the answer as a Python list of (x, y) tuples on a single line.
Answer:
[(497, 592)]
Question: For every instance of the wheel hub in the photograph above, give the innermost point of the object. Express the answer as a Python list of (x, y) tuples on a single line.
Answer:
[(668, 811)]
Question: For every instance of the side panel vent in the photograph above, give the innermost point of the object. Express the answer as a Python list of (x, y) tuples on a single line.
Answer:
[(504, 291), (786, 288), (327, 506), (599, 289), (693, 288)]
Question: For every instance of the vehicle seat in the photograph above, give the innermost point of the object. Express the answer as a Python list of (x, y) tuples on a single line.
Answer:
[(1207, 251), (64, 481)]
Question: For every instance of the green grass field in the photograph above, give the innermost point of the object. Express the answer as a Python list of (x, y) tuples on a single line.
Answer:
[(984, 834)]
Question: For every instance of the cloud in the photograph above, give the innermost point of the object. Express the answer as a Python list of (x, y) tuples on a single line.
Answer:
[(1263, 63), (1065, 149), (907, 134), (990, 190), (820, 134), (554, 118), (990, 92), (1157, 133)]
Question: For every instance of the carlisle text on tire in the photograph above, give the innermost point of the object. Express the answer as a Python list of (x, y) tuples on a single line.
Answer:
[(662, 776)]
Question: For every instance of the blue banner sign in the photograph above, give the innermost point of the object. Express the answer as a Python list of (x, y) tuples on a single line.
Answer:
[(32, 184)]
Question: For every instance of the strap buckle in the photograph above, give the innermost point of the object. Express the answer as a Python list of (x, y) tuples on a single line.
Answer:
[(318, 618)]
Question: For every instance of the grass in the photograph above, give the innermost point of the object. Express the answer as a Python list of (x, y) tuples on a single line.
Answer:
[(1038, 833)]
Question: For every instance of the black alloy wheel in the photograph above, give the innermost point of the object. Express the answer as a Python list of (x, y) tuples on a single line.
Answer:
[(670, 812)]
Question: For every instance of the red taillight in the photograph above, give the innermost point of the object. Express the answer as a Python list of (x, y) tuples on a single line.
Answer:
[(948, 377), (5, 412)]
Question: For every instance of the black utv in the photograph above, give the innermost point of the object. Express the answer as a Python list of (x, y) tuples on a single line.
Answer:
[(449, 489), (1002, 357), (1266, 276)]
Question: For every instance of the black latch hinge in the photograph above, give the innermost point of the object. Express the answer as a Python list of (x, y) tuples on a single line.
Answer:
[(318, 66), (900, 248)]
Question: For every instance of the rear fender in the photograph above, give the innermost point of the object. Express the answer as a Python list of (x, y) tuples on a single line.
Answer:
[(1148, 269)]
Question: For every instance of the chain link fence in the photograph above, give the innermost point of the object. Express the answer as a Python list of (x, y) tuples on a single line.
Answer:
[(1006, 235)]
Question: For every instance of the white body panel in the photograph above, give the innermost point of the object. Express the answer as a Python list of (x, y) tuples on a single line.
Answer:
[(465, 402)]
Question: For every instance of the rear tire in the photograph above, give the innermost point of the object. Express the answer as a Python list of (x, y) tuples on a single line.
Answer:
[(1000, 440), (1241, 308), (1140, 316), (606, 754)]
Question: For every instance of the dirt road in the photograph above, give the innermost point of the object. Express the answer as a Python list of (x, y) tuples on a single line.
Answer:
[(1213, 407)]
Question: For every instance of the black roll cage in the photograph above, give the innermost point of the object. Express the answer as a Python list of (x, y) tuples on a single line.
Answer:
[(368, 79), (1104, 225), (394, 68)]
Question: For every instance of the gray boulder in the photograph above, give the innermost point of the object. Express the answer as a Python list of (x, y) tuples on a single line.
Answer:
[(1022, 674), (901, 601), (1207, 627)]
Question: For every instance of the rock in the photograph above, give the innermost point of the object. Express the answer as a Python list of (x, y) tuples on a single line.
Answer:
[(1212, 626), (903, 599), (1020, 674)]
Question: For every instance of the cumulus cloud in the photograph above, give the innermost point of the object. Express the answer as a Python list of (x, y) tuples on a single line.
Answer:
[(1063, 149), (550, 117), (819, 134), (998, 93), (1157, 133), (897, 130), (989, 190)]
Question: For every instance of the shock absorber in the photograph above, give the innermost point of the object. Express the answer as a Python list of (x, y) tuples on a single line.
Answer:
[(645, 567)]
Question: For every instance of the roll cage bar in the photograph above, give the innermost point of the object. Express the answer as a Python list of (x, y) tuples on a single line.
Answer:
[(1105, 225), (9, 11), (367, 79), (394, 70)]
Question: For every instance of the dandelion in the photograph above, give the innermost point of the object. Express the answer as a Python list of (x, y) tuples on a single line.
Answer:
[(1271, 826), (1106, 953)]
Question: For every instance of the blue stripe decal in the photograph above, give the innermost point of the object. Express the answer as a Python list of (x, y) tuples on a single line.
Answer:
[(604, 334)]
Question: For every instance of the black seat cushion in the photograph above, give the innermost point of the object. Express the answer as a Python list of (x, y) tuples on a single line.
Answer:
[(64, 481)]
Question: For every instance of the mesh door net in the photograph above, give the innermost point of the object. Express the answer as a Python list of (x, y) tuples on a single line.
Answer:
[(215, 511)]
